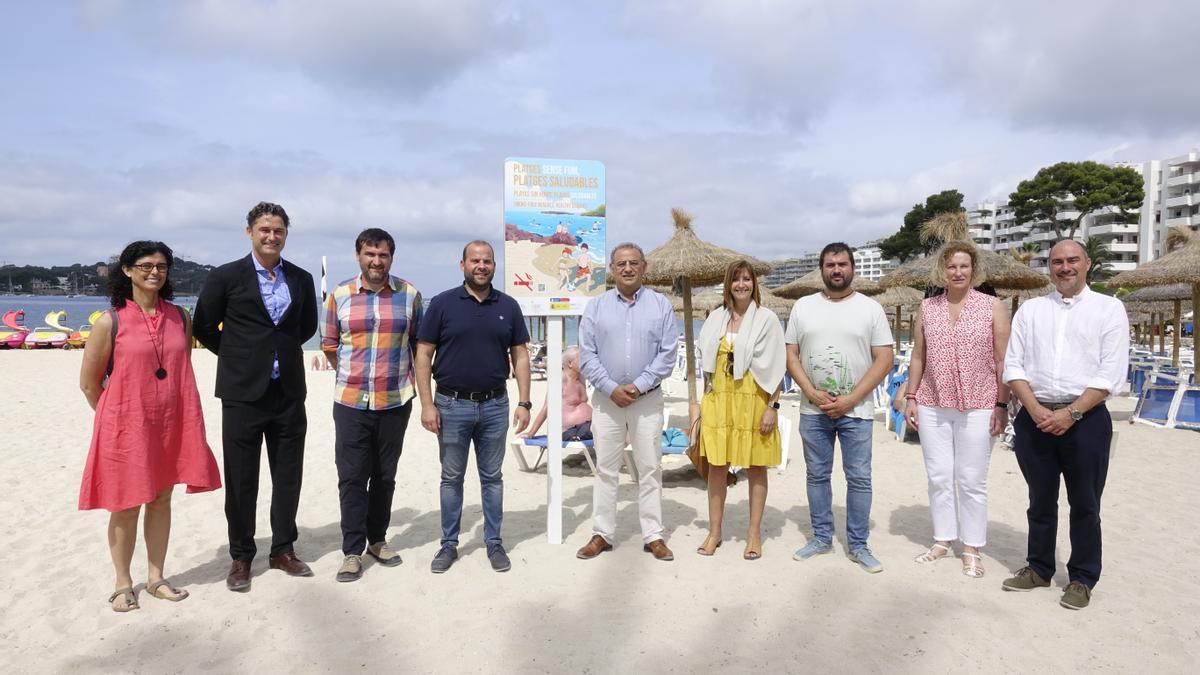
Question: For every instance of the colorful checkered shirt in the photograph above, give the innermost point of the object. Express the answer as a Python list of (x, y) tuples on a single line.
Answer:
[(374, 336)]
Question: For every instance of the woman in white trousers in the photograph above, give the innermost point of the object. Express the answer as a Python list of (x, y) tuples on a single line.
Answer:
[(960, 401)]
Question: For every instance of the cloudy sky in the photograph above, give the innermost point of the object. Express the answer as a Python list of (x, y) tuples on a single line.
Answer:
[(780, 125)]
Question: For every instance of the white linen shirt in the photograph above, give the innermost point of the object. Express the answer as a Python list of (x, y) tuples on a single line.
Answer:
[(1061, 346)]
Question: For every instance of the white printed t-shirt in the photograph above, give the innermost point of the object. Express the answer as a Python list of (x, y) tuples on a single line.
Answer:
[(835, 341)]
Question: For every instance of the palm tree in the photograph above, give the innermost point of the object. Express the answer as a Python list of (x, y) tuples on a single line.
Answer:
[(1100, 254), (1025, 253)]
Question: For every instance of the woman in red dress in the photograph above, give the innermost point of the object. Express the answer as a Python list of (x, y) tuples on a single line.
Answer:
[(148, 433)]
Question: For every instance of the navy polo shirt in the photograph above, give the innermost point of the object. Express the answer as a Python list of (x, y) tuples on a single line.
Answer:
[(472, 338)]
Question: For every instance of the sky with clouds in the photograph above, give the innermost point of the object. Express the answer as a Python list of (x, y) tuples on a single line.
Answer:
[(780, 124)]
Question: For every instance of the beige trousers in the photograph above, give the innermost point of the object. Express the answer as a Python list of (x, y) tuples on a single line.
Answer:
[(639, 424)]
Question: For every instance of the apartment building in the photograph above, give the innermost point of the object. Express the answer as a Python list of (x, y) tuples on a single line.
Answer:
[(1172, 188), (869, 263)]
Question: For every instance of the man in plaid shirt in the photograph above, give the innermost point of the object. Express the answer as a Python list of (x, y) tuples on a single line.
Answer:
[(368, 335)]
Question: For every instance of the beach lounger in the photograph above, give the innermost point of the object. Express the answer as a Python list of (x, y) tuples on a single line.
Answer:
[(1169, 398)]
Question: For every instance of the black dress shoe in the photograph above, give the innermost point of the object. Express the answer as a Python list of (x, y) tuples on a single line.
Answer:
[(288, 562), (239, 576)]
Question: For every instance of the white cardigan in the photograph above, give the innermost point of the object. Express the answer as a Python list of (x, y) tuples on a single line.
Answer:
[(759, 343)]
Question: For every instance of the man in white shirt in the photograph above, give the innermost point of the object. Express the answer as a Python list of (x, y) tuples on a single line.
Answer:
[(839, 348), (1068, 353)]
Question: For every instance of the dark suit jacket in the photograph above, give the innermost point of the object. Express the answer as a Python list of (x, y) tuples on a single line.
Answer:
[(247, 343)]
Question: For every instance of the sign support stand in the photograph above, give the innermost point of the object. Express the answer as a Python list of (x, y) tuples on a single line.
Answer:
[(554, 341)]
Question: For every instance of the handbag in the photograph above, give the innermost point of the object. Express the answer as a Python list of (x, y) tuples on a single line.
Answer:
[(698, 459)]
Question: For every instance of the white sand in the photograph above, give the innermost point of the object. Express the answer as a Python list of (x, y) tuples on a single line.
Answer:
[(623, 612)]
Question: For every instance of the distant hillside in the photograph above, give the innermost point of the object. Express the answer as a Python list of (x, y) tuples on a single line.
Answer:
[(186, 276)]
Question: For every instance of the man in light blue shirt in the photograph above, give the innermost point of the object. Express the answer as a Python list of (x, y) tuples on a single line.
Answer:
[(272, 285), (627, 347)]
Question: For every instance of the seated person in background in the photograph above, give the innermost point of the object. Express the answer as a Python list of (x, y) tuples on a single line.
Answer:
[(576, 412)]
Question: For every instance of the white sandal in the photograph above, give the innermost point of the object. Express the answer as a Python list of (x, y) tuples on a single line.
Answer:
[(929, 556), (972, 564)]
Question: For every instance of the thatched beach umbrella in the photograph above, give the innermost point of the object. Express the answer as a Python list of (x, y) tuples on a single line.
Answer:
[(900, 298), (1164, 300), (1180, 266), (813, 283), (695, 262), (1001, 270), (701, 302)]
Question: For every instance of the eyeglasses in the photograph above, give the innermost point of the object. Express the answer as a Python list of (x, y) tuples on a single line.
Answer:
[(147, 268)]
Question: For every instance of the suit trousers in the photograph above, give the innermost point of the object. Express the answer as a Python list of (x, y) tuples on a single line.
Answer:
[(279, 420), (1080, 456), (640, 424), (366, 449)]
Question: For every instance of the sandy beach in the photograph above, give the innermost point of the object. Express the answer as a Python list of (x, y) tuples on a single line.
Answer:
[(623, 612)]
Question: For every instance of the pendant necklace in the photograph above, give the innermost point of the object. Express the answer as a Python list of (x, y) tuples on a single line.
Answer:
[(161, 373)]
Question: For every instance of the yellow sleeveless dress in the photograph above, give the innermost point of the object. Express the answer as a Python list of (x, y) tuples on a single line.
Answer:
[(730, 415)]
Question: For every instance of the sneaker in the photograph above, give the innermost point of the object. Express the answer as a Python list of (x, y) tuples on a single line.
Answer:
[(351, 569), (1076, 596), (444, 559), (384, 554), (499, 558), (1024, 580), (866, 560), (813, 547)]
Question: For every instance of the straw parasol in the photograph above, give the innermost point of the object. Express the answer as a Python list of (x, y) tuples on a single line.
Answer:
[(708, 301), (900, 298), (1180, 266), (685, 257), (1001, 270), (813, 283)]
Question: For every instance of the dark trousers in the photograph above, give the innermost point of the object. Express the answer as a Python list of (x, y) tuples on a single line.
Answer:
[(1081, 457), (367, 448), (280, 421)]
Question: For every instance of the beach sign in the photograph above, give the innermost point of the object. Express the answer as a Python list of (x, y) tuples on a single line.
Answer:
[(554, 234)]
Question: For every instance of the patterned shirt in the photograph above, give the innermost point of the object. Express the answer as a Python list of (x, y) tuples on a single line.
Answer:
[(374, 337), (960, 362)]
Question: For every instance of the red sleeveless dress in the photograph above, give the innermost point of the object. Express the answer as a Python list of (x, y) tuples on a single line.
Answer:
[(148, 433)]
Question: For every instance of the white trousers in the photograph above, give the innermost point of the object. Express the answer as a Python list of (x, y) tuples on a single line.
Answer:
[(639, 423), (957, 449)]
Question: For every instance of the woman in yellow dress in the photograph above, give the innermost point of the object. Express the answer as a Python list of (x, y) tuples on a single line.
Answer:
[(743, 358)]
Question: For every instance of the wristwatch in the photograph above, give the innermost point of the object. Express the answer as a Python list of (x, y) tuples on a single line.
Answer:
[(1075, 414), (775, 405), (528, 405)]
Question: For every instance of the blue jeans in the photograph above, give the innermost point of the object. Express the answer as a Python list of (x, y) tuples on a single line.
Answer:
[(818, 433), (485, 424)]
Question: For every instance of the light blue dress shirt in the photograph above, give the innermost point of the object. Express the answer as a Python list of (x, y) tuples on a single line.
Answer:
[(622, 341), (275, 295)]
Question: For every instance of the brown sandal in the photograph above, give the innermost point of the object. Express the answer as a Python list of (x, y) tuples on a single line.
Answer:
[(131, 602), (175, 595)]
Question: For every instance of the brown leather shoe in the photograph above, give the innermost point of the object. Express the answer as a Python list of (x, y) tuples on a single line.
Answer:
[(659, 548), (595, 546), (239, 576), (288, 562)]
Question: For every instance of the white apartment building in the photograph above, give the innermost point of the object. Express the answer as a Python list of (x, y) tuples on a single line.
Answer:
[(868, 263), (1172, 188)]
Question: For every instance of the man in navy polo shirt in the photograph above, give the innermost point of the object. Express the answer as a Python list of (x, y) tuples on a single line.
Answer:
[(474, 330)]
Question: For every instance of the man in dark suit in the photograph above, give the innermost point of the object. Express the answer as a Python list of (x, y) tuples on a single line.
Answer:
[(255, 314)]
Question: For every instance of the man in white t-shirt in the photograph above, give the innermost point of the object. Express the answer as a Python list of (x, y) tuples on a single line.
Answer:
[(839, 348)]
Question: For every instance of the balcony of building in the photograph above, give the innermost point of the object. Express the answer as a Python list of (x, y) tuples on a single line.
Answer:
[(1184, 221), (1112, 229), (1122, 265), (1179, 201), (1190, 178), (1043, 235), (1123, 246)]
